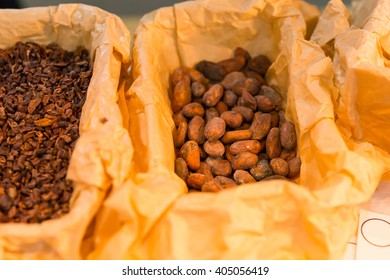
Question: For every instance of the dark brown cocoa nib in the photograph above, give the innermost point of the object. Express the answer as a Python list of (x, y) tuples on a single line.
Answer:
[(42, 91)]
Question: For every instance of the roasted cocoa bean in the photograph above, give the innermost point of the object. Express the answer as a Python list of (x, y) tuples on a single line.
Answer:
[(243, 177), (288, 138), (232, 119), (273, 146), (236, 135), (261, 125), (196, 130), (252, 146), (211, 70), (180, 135), (181, 168), (245, 112), (214, 148), (259, 64), (261, 170), (279, 166), (232, 64), (212, 95), (231, 78), (294, 167), (191, 154), (196, 180), (244, 161), (218, 166), (193, 109), (215, 129), (181, 95)]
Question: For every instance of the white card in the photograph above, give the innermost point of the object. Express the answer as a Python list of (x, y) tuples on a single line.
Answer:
[(373, 241)]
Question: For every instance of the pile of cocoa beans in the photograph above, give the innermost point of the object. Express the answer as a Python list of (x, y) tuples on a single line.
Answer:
[(230, 126)]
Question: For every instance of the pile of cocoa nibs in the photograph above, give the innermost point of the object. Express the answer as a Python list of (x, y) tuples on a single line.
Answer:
[(230, 126), (42, 91)]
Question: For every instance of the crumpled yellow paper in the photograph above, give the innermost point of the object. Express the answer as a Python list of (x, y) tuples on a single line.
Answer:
[(361, 66), (103, 152), (152, 216)]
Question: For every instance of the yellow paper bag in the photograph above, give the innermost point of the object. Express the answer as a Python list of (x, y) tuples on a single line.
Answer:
[(152, 216), (103, 152), (362, 58)]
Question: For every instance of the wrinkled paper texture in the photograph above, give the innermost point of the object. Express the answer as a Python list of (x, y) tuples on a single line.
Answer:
[(152, 216), (103, 152)]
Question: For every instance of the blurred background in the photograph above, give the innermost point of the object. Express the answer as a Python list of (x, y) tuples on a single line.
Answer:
[(119, 7), (129, 10)]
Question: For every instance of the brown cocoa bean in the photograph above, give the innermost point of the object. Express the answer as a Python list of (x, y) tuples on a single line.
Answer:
[(191, 154), (198, 89), (245, 112), (260, 126), (212, 186), (261, 170), (249, 85), (244, 161), (236, 135), (242, 52), (288, 137), (252, 146), (231, 78), (294, 167), (221, 107), (179, 118), (181, 95), (273, 146), (196, 180), (211, 70), (179, 137), (282, 118), (275, 177), (243, 177), (215, 129), (193, 109), (259, 64), (273, 95), (214, 148), (212, 95), (230, 98), (211, 113), (226, 182), (219, 166), (274, 119), (196, 130), (279, 166), (255, 75), (239, 87), (197, 76), (180, 74), (265, 104), (232, 64), (288, 154), (232, 119), (181, 169), (228, 154), (205, 169), (247, 100), (252, 86)]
